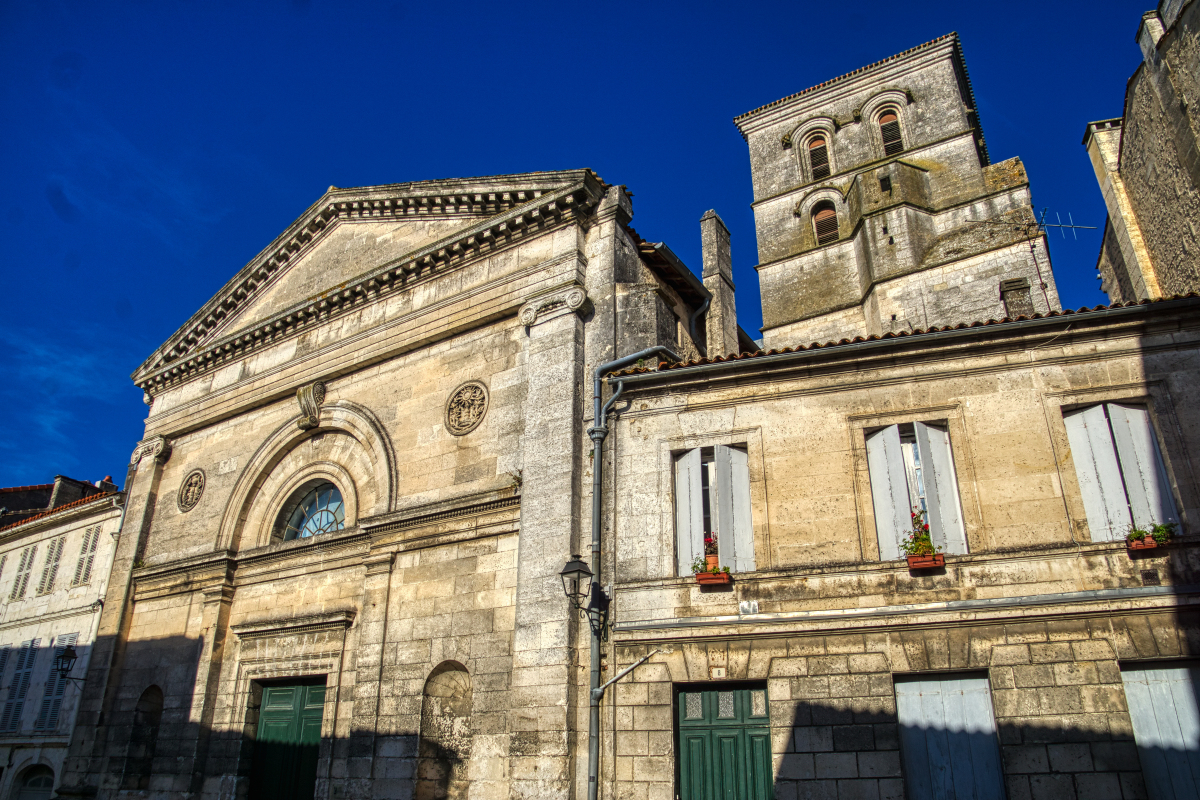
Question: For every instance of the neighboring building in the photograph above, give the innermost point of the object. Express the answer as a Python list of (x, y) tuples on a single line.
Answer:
[(877, 208), (1148, 164), (56, 546)]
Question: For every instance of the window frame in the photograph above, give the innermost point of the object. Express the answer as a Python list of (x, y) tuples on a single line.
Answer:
[(961, 451), (806, 155), (1155, 396), (821, 206), (669, 449)]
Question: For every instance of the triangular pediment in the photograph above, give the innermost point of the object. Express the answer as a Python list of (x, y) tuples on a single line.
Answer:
[(350, 235)]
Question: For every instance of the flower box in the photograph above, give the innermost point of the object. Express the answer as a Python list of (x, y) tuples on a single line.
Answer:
[(709, 578), (1141, 544), (926, 562)]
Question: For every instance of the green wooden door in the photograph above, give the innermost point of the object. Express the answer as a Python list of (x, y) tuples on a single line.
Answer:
[(724, 744), (289, 734)]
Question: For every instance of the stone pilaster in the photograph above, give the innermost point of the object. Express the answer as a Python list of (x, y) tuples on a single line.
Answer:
[(365, 761), (214, 629), (87, 763), (538, 722), (718, 279)]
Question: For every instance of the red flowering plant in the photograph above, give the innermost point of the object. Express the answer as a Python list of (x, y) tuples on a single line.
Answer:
[(710, 544), (917, 542), (710, 549)]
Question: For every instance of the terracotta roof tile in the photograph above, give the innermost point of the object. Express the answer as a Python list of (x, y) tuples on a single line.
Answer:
[(65, 507), (851, 74), (899, 335), (27, 488)]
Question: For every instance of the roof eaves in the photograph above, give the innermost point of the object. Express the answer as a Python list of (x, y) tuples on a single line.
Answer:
[(887, 338), (54, 511)]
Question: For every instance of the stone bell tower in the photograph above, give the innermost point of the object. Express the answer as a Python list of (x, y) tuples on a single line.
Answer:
[(878, 209)]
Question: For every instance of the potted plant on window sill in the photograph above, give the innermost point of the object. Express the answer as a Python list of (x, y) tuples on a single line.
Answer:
[(1159, 533), (707, 569), (918, 546)]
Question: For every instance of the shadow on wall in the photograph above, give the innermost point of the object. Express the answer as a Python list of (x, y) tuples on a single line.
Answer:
[(144, 740), (846, 749)]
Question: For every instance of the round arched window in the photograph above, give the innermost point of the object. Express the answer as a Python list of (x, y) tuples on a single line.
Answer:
[(315, 510)]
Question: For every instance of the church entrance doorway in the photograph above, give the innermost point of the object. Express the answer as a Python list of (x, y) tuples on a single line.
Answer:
[(724, 743), (289, 735)]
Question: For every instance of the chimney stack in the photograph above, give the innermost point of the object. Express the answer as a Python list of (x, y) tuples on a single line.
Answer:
[(718, 279)]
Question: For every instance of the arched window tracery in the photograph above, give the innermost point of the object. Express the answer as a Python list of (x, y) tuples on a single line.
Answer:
[(314, 509)]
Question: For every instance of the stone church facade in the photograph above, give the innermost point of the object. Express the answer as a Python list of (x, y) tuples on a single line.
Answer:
[(369, 456)]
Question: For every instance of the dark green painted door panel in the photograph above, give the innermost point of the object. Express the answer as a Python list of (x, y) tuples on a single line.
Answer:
[(724, 744), (289, 735)]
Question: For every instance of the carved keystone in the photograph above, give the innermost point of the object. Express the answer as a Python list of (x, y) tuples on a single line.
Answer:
[(310, 398)]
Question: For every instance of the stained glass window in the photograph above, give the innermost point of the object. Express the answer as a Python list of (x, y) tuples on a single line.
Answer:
[(319, 511)]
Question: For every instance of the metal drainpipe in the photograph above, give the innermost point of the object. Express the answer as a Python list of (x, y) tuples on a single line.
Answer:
[(598, 432)]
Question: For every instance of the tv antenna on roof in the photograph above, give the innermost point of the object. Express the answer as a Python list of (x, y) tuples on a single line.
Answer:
[(1043, 225)]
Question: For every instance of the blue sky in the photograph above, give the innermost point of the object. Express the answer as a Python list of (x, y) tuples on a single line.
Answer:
[(151, 149)]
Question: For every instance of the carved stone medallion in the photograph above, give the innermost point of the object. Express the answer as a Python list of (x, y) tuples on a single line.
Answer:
[(468, 403), (191, 490)]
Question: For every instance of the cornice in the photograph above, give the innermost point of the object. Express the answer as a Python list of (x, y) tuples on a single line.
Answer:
[(334, 620), (193, 350)]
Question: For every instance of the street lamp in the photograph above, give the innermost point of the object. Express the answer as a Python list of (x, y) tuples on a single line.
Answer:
[(575, 576), (64, 662)]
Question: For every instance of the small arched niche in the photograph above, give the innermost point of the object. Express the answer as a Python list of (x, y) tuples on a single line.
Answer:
[(143, 739), (445, 743)]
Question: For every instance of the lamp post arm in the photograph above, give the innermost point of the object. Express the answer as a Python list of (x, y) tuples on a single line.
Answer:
[(598, 692)]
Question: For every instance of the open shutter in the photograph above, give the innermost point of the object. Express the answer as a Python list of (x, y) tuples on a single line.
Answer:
[(941, 488), (735, 528), (1098, 473), (1146, 483), (689, 511), (52, 697), (889, 490)]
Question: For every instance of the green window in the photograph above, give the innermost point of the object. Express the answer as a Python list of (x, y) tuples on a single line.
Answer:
[(724, 743), (289, 735)]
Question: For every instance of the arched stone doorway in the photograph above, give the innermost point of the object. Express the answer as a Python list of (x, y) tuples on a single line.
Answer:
[(445, 745)]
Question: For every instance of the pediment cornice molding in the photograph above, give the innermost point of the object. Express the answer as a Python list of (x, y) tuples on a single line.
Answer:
[(198, 347)]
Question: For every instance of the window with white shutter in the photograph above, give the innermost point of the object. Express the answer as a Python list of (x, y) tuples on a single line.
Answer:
[(712, 499), (1122, 477), (21, 581), (911, 467), (56, 684), (87, 555), (18, 686), (50, 570), (889, 129)]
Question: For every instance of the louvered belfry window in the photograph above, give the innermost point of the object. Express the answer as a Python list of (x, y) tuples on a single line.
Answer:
[(889, 127), (818, 158), (825, 224)]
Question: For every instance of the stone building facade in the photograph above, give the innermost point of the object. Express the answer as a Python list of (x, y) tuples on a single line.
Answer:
[(368, 457), (362, 472), (877, 208), (1148, 164), (56, 548)]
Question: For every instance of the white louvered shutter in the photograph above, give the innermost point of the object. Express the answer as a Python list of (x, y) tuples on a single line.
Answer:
[(87, 555), (1145, 476), (24, 567), (689, 510), (889, 490), (50, 570), (735, 528), (10, 719), (1098, 472), (941, 488), (1166, 727), (56, 684)]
